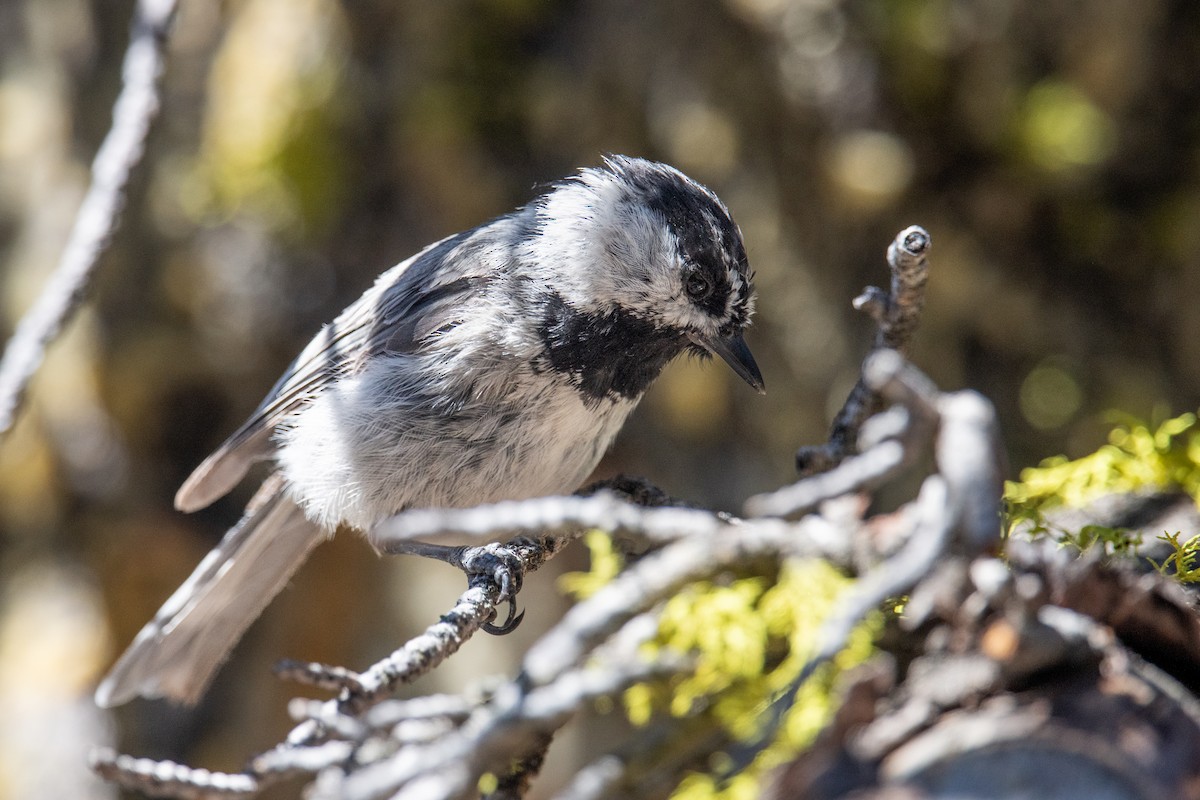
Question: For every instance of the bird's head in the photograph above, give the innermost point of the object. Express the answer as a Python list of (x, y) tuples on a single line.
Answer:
[(641, 241)]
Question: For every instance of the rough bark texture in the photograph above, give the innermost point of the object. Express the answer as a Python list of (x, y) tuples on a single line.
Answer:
[(1060, 678)]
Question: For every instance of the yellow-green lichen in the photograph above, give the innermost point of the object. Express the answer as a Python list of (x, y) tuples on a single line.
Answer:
[(748, 638), (1138, 458)]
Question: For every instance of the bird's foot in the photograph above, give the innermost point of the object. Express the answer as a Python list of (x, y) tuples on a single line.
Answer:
[(498, 565), (494, 564)]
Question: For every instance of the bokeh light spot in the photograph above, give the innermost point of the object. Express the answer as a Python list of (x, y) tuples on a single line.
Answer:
[(1063, 129), (871, 167), (1050, 396)]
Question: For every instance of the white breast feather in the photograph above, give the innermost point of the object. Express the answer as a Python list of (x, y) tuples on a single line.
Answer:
[(350, 458)]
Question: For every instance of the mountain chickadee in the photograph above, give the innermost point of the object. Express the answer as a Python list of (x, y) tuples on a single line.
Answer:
[(497, 364)]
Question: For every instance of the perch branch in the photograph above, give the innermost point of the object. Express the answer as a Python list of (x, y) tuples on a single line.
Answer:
[(558, 517), (119, 155)]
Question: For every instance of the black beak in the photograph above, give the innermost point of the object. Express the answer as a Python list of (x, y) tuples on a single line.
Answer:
[(737, 355)]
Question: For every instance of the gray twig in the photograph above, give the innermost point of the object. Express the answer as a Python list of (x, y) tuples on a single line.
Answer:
[(891, 444), (896, 313), (564, 518), (133, 113), (512, 724), (168, 779), (957, 510)]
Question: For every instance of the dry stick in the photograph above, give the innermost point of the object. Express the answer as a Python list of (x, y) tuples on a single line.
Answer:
[(536, 704), (118, 156), (565, 517), (554, 665), (714, 543), (168, 779), (898, 440), (957, 511), (896, 313), (510, 725), (303, 751)]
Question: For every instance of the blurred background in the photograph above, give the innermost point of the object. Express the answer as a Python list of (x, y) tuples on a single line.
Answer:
[(1052, 149)]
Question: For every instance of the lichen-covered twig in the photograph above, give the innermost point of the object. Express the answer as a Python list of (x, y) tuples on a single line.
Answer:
[(957, 510), (133, 113), (896, 313)]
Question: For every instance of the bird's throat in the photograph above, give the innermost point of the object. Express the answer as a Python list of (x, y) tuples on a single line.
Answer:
[(607, 355)]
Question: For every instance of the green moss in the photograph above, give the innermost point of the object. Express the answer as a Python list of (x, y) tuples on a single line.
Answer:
[(1139, 457), (748, 639), (1182, 561)]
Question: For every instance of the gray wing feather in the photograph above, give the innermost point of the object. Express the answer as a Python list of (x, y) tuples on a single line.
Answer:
[(407, 303)]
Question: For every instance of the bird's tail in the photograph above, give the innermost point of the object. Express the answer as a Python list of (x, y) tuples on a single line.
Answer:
[(176, 654)]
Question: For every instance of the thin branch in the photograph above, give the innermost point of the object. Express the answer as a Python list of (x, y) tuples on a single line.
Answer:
[(963, 498), (891, 442), (119, 155), (511, 725), (305, 749), (896, 313), (559, 517), (864, 471), (418, 656), (659, 575), (168, 779)]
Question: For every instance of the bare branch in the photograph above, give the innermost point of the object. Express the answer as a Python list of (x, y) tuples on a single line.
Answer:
[(891, 442), (168, 779), (659, 575), (896, 313), (854, 474), (119, 155), (964, 497), (512, 724), (564, 518)]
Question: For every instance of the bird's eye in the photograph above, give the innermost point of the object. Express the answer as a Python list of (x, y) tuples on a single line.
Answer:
[(697, 286)]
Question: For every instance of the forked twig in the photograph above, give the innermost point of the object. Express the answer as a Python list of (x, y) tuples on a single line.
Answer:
[(896, 313)]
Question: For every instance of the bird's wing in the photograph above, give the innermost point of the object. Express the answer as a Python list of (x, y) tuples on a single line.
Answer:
[(407, 303)]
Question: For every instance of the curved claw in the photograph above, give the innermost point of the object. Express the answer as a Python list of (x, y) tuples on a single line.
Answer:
[(510, 624)]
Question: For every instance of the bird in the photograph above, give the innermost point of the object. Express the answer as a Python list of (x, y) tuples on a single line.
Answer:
[(496, 364)]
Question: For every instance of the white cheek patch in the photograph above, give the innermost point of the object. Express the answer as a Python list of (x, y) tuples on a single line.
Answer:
[(740, 294), (631, 258)]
